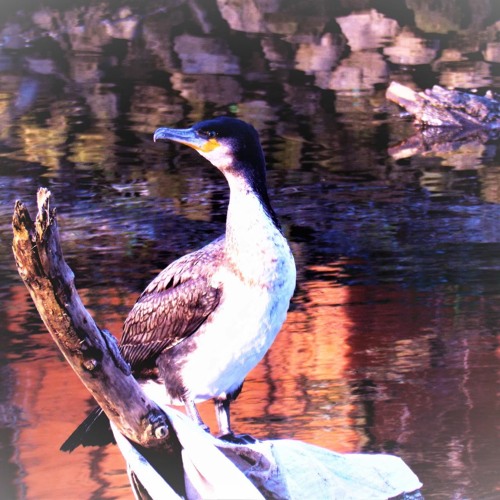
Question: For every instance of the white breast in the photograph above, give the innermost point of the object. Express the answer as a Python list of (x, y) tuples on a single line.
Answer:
[(257, 280), (235, 338), (256, 297)]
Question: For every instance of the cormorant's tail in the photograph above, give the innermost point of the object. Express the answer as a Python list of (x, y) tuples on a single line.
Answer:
[(93, 431)]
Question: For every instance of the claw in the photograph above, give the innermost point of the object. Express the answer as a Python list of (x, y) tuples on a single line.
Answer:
[(230, 437)]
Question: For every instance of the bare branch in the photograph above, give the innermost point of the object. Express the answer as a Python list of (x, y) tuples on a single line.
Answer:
[(91, 352)]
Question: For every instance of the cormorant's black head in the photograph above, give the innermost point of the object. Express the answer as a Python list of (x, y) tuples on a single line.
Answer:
[(233, 146), (230, 144)]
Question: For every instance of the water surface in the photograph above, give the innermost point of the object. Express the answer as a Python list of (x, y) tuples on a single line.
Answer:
[(391, 342)]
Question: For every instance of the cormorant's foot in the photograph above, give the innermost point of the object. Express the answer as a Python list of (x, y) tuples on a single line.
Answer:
[(238, 438)]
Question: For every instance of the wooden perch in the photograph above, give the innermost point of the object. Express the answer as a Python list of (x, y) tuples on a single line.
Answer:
[(439, 107), (92, 353)]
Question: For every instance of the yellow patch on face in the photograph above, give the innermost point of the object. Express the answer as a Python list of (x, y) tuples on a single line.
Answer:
[(209, 146)]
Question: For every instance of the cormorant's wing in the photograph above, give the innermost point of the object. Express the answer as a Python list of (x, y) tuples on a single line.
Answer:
[(173, 306)]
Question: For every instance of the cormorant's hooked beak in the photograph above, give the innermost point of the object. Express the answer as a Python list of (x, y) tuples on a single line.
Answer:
[(188, 137)]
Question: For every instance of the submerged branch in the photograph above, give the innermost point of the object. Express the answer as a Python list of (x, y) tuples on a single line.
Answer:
[(438, 107), (448, 122)]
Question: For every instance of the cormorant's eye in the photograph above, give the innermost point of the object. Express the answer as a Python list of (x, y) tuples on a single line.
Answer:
[(209, 134)]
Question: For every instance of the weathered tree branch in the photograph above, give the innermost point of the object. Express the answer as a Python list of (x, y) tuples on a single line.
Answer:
[(92, 353)]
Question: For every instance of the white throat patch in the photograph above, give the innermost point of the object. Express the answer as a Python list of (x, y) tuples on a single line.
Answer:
[(220, 156)]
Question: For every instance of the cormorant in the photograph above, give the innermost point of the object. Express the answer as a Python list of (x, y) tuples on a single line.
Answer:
[(207, 319)]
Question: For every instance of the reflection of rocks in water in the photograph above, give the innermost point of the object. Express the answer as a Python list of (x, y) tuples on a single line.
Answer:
[(442, 16), (492, 52), (281, 17), (445, 16), (447, 56), (455, 67), (155, 61), (411, 49), (462, 151), (368, 29), (465, 74), (81, 28), (14, 37), (313, 58), (247, 15), (277, 52), (157, 40), (152, 105), (360, 71), (205, 55), (219, 89), (490, 184), (123, 25), (461, 148)]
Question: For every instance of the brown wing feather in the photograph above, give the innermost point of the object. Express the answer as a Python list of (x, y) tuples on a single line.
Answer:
[(172, 307)]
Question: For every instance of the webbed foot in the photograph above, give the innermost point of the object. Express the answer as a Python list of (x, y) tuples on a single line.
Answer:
[(230, 437)]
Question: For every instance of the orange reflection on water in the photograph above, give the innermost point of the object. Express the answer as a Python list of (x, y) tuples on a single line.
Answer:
[(52, 400), (405, 346), (299, 390)]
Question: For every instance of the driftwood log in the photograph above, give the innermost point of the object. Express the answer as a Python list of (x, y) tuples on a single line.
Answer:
[(92, 353), (439, 107), (446, 121), (173, 457)]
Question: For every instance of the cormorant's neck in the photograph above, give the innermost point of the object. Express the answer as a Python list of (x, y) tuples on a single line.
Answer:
[(249, 210), (248, 182), (253, 242), (263, 197)]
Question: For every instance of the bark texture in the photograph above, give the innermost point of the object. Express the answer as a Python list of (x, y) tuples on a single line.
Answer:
[(92, 353), (439, 107)]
